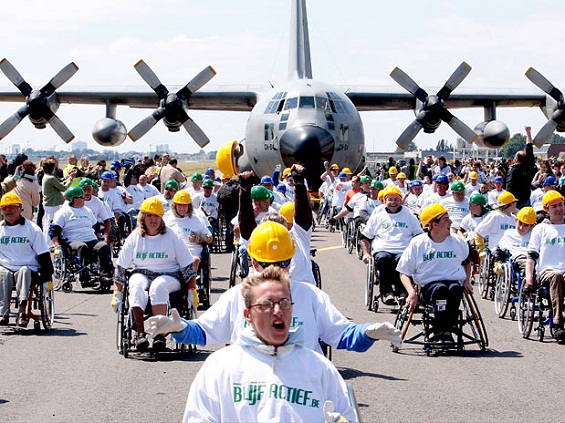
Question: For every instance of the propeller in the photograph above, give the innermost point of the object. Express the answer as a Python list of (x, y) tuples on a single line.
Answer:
[(40, 104), (558, 117), (172, 105), (433, 109)]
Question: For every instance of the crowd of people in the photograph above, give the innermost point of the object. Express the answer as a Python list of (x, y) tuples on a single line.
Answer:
[(421, 223)]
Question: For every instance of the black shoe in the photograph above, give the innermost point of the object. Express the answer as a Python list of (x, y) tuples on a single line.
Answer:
[(159, 343), (142, 344), (4, 321), (388, 299), (447, 338), (559, 335)]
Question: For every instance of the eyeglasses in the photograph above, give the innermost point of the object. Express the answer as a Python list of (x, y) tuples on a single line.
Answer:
[(282, 264), (268, 305)]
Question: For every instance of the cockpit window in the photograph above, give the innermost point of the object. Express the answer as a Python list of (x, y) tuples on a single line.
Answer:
[(307, 103), (337, 104), (291, 103), (275, 105), (321, 103)]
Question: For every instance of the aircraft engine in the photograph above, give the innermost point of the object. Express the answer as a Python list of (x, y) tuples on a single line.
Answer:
[(491, 134), (41, 104), (109, 132)]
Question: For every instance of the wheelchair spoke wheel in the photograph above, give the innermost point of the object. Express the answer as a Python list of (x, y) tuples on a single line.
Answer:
[(350, 236), (234, 265), (502, 290), (369, 285), (59, 271), (484, 276), (317, 274), (358, 243), (47, 305), (526, 312), (476, 321)]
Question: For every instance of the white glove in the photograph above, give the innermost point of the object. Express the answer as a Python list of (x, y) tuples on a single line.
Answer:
[(162, 325), (385, 331), (331, 416)]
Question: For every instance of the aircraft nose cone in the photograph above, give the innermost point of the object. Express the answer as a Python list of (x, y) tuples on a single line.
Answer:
[(308, 145)]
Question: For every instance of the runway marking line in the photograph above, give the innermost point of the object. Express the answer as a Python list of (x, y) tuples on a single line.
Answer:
[(329, 248)]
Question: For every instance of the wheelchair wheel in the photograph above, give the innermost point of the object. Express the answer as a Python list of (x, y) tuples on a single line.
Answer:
[(358, 243), (402, 323), (234, 266), (317, 274), (59, 272), (370, 302), (484, 276), (475, 320), (350, 236), (183, 349), (526, 312), (203, 283), (502, 290), (47, 304)]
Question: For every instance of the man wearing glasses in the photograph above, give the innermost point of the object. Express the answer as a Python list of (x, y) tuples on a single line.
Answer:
[(267, 374)]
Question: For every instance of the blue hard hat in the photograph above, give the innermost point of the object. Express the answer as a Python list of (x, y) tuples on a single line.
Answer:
[(108, 175), (266, 180), (442, 179), (416, 183), (550, 181), (281, 187), (116, 165), (498, 179), (209, 171), (343, 175)]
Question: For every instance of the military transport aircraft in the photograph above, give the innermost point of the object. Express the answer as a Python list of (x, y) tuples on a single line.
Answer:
[(301, 121)]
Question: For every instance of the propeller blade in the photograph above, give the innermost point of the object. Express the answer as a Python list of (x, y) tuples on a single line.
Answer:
[(15, 78), (409, 134), (9, 124), (408, 84), (454, 80), (195, 132), (62, 76), (61, 129), (458, 126), (146, 124), (151, 79), (545, 133), (543, 84), (196, 83)]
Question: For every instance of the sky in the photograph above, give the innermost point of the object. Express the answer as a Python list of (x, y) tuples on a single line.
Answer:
[(355, 43)]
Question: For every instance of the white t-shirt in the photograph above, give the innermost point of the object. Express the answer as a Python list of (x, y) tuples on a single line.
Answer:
[(339, 192), (100, 209), (137, 194), (492, 197), (243, 384), (158, 253), (548, 240), (427, 261), (150, 190), (301, 263), (391, 232), (76, 222), (208, 204), (113, 197), (469, 224), (20, 245), (515, 243), (184, 226), (536, 198), (493, 226), (457, 210)]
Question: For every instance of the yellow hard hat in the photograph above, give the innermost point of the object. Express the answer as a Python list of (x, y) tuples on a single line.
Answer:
[(334, 166), (10, 199), (226, 159), (287, 210), (152, 206), (182, 197), (392, 190), (430, 212), (381, 195), (392, 170), (506, 198), (286, 171), (527, 215), (347, 170), (551, 196), (401, 175), (270, 242), (473, 175)]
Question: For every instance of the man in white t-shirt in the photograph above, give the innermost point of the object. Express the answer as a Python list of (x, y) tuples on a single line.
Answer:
[(385, 236), (150, 190), (439, 263), (457, 204), (24, 256), (75, 223), (547, 248)]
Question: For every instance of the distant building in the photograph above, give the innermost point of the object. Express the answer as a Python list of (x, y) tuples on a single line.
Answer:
[(162, 148), (79, 145), (16, 149)]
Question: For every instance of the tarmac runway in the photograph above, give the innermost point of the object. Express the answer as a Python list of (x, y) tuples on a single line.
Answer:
[(74, 372)]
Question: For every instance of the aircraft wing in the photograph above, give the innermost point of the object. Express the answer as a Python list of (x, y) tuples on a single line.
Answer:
[(236, 100), (367, 100)]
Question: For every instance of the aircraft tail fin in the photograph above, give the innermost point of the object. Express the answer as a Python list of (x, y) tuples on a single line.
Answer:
[(300, 63)]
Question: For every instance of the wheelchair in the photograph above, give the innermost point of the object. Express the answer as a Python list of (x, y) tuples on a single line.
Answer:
[(487, 276), (219, 231), (535, 312), (69, 269), (40, 306), (358, 243), (120, 230), (125, 323), (506, 290), (350, 231), (323, 212), (204, 278), (372, 288), (417, 325)]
